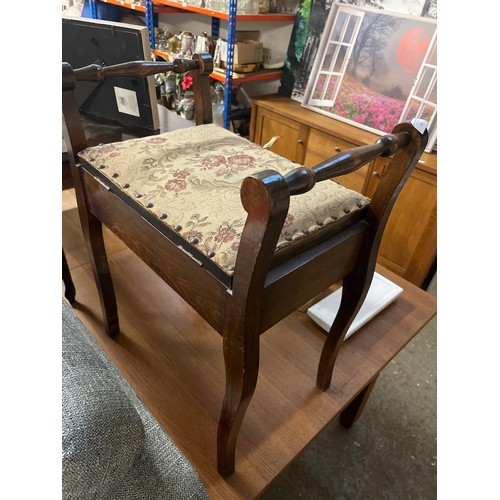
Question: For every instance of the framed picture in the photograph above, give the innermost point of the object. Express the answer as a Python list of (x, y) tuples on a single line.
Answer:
[(308, 31), (374, 69)]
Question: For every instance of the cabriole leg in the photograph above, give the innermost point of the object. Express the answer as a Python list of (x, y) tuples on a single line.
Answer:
[(355, 408), (241, 358), (353, 295), (97, 252), (70, 291)]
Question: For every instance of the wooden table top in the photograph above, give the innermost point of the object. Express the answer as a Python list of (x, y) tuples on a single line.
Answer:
[(173, 359)]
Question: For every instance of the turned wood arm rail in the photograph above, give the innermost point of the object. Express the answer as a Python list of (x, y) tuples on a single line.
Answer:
[(303, 179), (266, 196), (97, 73)]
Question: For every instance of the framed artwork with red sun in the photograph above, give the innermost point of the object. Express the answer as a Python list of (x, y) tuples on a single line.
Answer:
[(375, 69)]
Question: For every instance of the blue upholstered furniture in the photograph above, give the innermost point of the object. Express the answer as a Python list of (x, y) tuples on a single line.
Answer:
[(113, 448)]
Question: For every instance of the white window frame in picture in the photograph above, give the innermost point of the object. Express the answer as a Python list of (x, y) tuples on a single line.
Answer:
[(423, 95), (335, 55)]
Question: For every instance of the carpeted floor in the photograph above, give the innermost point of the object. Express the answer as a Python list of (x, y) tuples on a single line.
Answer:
[(390, 453)]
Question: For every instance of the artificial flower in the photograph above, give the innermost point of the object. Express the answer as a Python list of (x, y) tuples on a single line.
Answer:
[(187, 82)]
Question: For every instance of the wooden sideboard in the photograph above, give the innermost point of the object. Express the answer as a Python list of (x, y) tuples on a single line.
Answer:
[(409, 245)]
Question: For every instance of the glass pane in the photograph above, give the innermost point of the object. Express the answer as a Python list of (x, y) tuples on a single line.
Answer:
[(330, 88), (430, 93), (413, 110), (339, 26), (351, 25), (327, 60), (424, 82), (319, 87), (427, 112), (340, 59), (433, 94), (433, 55), (418, 109)]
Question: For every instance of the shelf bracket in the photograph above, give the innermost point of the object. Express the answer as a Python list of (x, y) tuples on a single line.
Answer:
[(150, 22), (93, 9)]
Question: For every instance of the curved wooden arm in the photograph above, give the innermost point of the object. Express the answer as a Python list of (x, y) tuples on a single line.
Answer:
[(97, 73), (265, 198), (303, 179)]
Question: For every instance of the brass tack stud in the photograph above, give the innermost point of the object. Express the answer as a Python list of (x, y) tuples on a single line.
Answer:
[(178, 228), (102, 166), (347, 211), (114, 175), (149, 205), (359, 204), (288, 238), (126, 185), (194, 240), (231, 268), (163, 216), (211, 254), (319, 222), (138, 195)]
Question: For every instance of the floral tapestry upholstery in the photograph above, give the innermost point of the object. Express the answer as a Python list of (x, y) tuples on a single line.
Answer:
[(190, 180)]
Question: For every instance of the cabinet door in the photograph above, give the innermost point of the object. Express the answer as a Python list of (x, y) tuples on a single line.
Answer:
[(321, 146), (292, 134), (409, 243)]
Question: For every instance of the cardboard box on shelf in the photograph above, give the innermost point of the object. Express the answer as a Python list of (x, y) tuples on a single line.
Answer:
[(247, 48)]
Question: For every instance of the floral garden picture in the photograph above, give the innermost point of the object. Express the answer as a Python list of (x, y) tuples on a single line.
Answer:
[(367, 69)]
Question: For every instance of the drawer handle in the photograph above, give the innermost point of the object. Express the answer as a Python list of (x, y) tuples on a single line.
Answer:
[(273, 139), (300, 141), (337, 149), (375, 174)]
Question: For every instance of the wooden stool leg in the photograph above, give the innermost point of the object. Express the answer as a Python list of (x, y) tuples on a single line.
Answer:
[(95, 245), (354, 409), (70, 290), (353, 294), (241, 358)]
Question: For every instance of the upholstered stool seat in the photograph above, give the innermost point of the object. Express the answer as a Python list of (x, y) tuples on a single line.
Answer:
[(187, 184)]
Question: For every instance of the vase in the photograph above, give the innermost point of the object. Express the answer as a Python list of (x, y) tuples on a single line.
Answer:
[(188, 115)]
